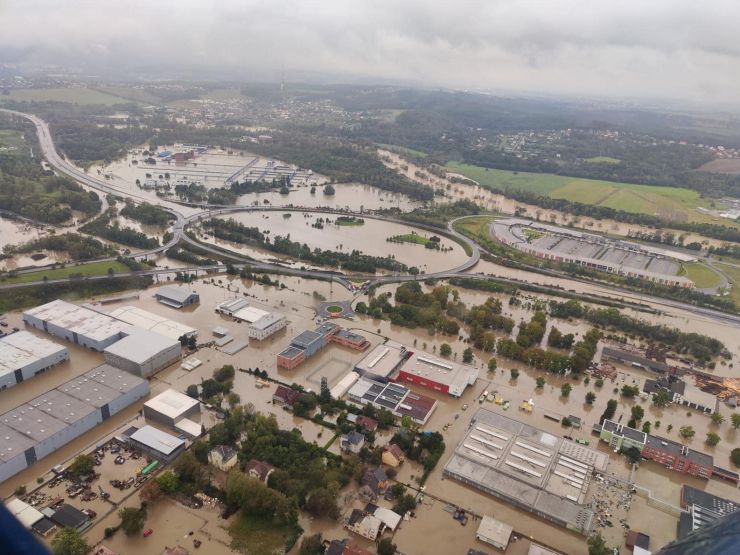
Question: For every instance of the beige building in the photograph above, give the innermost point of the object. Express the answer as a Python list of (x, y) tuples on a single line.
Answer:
[(222, 457)]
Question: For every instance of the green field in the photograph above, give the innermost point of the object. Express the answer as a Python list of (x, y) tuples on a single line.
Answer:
[(602, 160), (89, 270), (702, 276), (72, 95), (733, 274), (11, 141), (404, 150), (667, 202), (258, 536)]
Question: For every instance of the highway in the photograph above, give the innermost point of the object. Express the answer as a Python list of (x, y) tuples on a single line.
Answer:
[(181, 222)]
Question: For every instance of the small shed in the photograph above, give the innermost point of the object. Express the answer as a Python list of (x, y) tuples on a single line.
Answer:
[(494, 532)]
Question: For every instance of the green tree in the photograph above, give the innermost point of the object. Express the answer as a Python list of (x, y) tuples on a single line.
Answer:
[(608, 414), (599, 382), (735, 418), (69, 541), (311, 545), (633, 454), (686, 432), (82, 465), (168, 482), (386, 547), (637, 412), (514, 373), (712, 439), (233, 399), (735, 456), (445, 350), (565, 389), (540, 382), (329, 190), (630, 391), (717, 418), (590, 397), (492, 365), (404, 504), (322, 502), (661, 398), (597, 545), (192, 391), (467, 356), (132, 520)]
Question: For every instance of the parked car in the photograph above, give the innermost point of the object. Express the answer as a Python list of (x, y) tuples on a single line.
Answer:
[(148, 532)]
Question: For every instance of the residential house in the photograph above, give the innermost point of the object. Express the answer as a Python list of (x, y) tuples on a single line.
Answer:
[(368, 424), (393, 455), (260, 470), (285, 396), (376, 480), (364, 524), (390, 519), (222, 457), (352, 442)]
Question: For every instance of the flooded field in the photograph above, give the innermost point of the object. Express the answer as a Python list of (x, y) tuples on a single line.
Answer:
[(369, 238)]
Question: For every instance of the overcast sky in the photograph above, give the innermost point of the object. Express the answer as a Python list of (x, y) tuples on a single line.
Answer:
[(623, 48)]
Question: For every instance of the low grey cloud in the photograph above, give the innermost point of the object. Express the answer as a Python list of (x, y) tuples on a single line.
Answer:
[(661, 48)]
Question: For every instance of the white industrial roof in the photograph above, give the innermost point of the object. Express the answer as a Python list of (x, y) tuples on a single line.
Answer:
[(250, 314), (157, 439), (382, 360), (153, 322), (175, 293), (232, 305), (21, 348), (171, 403), (141, 346), (25, 513), (193, 429), (267, 320), (82, 320), (494, 531), (390, 518)]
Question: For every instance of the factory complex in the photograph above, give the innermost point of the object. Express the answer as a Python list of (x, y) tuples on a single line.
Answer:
[(394, 397), (395, 362), (153, 322), (134, 349), (23, 355), (307, 343), (529, 468), (262, 324), (33, 430)]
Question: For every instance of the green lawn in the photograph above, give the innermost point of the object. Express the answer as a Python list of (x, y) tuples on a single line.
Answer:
[(733, 274), (602, 160), (700, 274), (411, 238), (91, 269), (404, 150), (256, 536), (75, 95), (670, 202), (11, 141)]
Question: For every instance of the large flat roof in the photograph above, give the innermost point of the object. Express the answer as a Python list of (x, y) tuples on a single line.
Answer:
[(32, 422), (267, 320), (171, 403), (157, 439), (679, 450), (250, 314), (13, 443), (529, 467), (153, 322), (114, 378), (306, 338), (61, 406), (494, 531), (22, 348), (175, 293), (140, 347), (440, 370), (382, 361), (625, 431), (90, 391), (79, 319)]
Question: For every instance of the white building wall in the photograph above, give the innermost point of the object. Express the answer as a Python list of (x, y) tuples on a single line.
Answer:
[(126, 399), (7, 380), (12, 466), (149, 367), (37, 366), (260, 334)]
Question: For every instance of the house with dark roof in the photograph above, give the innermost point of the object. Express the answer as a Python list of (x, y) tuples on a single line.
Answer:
[(285, 396), (66, 516), (364, 524), (376, 480), (222, 457), (368, 424), (258, 469), (352, 442)]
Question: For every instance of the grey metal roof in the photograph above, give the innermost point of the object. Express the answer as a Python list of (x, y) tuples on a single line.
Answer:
[(114, 378), (306, 338), (174, 293), (157, 439), (679, 449), (141, 347)]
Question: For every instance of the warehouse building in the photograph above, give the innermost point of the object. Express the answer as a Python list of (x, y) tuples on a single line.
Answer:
[(176, 297), (146, 320), (383, 361), (307, 343), (393, 397), (494, 532), (23, 355), (143, 353), (77, 324), (702, 508), (37, 428), (529, 468), (262, 324), (170, 406), (157, 444), (438, 374)]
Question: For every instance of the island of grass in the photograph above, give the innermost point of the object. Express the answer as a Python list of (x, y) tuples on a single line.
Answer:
[(106, 267), (349, 220), (256, 535), (334, 310), (532, 234), (602, 160), (702, 276), (432, 242)]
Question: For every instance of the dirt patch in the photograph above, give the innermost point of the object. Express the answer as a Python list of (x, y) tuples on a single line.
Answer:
[(725, 165)]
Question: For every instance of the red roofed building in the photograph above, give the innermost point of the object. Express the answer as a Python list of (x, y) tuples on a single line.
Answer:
[(368, 424), (285, 396), (258, 469), (393, 455)]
